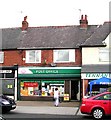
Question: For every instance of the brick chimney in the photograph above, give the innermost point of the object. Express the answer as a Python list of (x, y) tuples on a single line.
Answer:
[(83, 21), (24, 24)]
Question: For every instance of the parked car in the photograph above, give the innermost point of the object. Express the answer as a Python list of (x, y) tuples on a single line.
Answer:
[(6, 104), (97, 106)]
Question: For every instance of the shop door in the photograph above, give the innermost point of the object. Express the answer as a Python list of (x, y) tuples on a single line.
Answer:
[(74, 89)]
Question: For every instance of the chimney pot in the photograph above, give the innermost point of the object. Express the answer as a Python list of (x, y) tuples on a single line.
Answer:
[(81, 17), (85, 17), (25, 18)]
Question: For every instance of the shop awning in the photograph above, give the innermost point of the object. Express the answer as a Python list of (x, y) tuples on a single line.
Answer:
[(101, 81), (48, 76), (105, 68)]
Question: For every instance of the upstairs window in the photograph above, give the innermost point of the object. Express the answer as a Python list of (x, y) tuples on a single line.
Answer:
[(33, 56), (64, 56), (1, 57), (104, 55)]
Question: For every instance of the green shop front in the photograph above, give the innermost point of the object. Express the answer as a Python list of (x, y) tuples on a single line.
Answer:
[(39, 83)]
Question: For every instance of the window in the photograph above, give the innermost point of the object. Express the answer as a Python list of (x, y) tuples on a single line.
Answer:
[(33, 56), (41, 87), (104, 97), (64, 56), (1, 57), (104, 55)]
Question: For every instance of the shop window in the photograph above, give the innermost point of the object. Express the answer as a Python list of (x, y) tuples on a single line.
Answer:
[(1, 57), (1, 75), (64, 56), (104, 55), (33, 56), (97, 88), (41, 88)]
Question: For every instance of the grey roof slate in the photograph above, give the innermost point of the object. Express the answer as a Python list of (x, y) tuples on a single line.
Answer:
[(11, 38), (56, 37), (97, 38), (52, 37), (46, 37)]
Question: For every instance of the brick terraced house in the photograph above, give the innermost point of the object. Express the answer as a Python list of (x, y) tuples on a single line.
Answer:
[(35, 60)]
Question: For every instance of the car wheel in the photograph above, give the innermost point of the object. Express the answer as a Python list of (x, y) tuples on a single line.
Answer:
[(97, 113)]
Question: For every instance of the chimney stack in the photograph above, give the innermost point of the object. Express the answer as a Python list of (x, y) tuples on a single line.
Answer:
[(83, 22), (24, 24)]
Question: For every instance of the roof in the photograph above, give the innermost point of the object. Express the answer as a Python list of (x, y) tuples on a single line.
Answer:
[(45, 37), (52, 37), (10, 38), (97, 38)]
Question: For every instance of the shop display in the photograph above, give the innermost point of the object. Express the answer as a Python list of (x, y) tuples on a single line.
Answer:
[(41, 88)]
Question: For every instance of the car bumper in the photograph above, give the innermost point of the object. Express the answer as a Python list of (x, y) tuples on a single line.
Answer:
[(14, 106), (84, 110), (8, 107)]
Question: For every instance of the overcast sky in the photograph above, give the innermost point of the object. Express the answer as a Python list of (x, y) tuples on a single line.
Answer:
[(52, 12)]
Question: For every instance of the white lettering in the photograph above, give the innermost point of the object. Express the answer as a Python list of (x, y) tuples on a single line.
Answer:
[(95, 75), (5, 71)]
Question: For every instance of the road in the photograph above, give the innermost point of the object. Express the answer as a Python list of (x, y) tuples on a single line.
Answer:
[(47, 113), (25, 116)]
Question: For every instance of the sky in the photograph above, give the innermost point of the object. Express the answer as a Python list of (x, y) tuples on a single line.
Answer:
[(52, 12)]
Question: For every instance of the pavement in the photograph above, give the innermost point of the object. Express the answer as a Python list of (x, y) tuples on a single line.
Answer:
[(48, 103), (47, 107)]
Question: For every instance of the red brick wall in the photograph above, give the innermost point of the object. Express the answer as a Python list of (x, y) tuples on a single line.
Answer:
[(47, 55), (16, 57), (12, 57)]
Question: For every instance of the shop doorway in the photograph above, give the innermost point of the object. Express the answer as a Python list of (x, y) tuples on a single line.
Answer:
[(75, 90)]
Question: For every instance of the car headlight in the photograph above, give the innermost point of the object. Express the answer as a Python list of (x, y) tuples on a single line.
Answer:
[(5, 102)]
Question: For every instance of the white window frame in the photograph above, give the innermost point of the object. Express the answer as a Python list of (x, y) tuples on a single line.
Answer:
[(71, 56), (104, 55), (37, 52), (1, 57)]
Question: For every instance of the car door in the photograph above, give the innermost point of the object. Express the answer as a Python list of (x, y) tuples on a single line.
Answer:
[(105, 102), (110, 103)]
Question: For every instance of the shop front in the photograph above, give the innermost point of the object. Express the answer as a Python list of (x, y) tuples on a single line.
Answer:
[(39, 83), (8, 81), (91, 73), (102, 81)]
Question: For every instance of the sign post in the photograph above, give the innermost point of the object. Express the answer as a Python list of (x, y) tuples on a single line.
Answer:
[(66, 97)]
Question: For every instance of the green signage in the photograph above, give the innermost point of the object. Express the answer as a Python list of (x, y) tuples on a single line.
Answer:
[(48, 76), (49, 72), (55, 71)]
